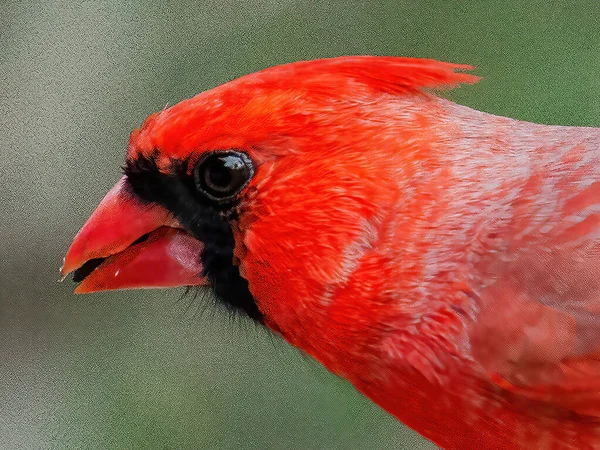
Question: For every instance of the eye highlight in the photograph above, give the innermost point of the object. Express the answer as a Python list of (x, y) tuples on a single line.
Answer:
[(222, 175)]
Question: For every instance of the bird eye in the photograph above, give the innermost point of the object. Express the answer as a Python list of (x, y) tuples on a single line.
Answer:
[(222, 175)]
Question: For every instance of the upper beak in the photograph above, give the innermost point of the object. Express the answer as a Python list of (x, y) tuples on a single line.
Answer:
[(126, 244)]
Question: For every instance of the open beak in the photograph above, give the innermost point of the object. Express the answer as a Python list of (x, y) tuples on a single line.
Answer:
[(127, 244)]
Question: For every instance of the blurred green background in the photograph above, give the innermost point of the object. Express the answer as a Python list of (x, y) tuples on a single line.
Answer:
[(143, 369)]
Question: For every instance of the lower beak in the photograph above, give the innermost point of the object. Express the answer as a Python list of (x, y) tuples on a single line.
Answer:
[(127, 244)]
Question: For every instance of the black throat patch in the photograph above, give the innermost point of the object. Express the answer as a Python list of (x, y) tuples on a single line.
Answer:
[(176, 192)]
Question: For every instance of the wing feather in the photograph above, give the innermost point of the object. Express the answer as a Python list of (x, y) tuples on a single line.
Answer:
[(538, 330)]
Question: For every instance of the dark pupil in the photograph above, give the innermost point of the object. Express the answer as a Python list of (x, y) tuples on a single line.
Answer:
[(218, 176), (224, 174)]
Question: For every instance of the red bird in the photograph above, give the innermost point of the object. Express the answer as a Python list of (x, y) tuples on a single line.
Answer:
[(443, 260)]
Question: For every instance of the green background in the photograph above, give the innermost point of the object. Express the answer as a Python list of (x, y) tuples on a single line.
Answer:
[(144, 369)]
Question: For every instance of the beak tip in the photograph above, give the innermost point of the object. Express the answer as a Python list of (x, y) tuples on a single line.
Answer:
[(80, 290), (62, 272), (72, 261)]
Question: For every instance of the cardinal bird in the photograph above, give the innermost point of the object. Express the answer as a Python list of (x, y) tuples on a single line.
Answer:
[(445, 261)]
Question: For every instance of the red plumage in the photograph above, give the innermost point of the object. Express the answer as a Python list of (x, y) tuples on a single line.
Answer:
[(444, 260)]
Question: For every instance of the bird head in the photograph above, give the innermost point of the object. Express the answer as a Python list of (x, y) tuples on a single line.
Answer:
[(268, 187)]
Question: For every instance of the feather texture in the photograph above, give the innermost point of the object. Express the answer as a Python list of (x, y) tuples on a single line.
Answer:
[(444, 260)]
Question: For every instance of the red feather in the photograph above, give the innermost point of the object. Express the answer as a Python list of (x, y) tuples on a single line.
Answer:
[(444, 260)]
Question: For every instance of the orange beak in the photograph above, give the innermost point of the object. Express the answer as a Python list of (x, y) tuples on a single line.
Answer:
[(127, 244)]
